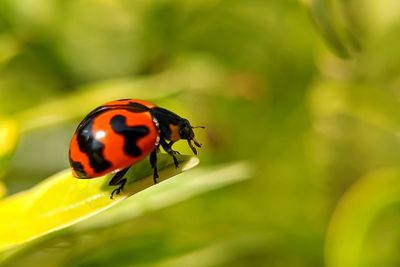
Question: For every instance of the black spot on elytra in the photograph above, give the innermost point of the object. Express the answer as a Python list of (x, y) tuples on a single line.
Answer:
[(78, 168), (131, 134), (130, 106), (137, 107), (92, 147)]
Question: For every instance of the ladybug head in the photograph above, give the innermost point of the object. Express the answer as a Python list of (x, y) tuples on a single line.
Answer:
[(186, 132)]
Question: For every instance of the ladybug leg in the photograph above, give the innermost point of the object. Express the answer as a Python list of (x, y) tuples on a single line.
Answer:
[(192, 147), (167, 147), (173, 151), (118, 180), (153, 162)]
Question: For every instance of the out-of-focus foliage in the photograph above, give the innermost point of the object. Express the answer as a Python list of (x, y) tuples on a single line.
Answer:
[(9, 134), (379, 192), (307, 93)]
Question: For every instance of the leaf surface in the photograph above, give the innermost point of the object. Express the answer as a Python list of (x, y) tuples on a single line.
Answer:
[(62, 200)]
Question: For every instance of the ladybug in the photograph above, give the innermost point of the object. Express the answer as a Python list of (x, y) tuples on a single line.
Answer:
[(116, 135)]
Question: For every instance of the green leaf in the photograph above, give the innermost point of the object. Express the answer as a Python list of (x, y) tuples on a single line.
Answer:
[(177, 190), (354, 215), (62, 200), (182, 187)]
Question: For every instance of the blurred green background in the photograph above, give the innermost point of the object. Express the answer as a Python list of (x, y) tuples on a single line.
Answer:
[(305, 92)]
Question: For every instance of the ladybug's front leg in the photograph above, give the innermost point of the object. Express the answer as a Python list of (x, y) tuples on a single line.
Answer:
[(118, 180), (167, 147)]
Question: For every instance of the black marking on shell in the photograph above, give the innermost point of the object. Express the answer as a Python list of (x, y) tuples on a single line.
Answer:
[(78, 168), (92, 147), (131, 134), (137, 107)]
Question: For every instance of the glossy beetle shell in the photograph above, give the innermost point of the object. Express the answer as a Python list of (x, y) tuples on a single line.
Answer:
[(113, 137)]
